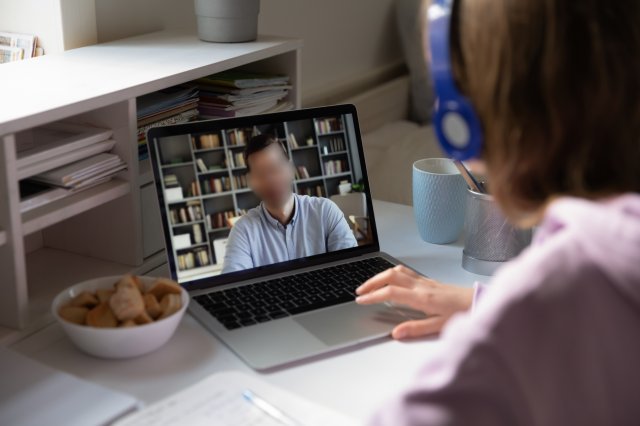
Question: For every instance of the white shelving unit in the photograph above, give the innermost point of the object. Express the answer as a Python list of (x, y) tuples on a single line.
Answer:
[(115, 227)]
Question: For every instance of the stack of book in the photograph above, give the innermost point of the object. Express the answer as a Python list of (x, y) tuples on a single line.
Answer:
[(84, 173), (173, 105), (237, 93)]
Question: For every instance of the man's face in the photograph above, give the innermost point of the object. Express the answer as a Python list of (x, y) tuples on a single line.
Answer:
[(271, 175)]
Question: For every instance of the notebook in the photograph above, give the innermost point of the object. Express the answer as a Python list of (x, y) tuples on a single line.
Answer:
[(221, 400)]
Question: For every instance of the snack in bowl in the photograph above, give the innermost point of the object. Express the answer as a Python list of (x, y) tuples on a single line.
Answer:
[(121, 316), (127, 304)]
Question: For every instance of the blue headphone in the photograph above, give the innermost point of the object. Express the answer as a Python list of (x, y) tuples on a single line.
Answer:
[(456, 123)]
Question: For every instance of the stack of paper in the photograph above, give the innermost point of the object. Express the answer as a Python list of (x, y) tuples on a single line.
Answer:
[(173, 105), (84, 173), (57, 144), (236, 93)]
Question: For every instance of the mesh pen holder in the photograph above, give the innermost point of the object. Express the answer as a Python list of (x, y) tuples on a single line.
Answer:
[(489, 239)]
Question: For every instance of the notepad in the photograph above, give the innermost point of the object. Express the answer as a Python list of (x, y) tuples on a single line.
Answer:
[(33, 394), (218, 400)]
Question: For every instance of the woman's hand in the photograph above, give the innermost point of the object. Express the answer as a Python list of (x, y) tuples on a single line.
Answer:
[(403, 286)]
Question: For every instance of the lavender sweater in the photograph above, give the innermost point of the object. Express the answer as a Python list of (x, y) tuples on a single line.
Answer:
[(555, 338)]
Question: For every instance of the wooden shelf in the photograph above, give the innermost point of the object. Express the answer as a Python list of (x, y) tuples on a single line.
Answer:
[(310, 179), (96, 76), (57, 211), (329, 154), (337, 175), (174, 165)]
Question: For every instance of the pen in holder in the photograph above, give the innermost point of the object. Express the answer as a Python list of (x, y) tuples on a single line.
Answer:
[(489, 239)]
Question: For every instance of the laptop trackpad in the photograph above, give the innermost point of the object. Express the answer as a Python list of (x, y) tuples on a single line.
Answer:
[(350, 322)]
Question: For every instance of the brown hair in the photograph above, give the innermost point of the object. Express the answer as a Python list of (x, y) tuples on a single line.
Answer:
[(258, 143), (556, 84)]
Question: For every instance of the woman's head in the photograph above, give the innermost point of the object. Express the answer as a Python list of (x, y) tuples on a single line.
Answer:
[(556, 84)]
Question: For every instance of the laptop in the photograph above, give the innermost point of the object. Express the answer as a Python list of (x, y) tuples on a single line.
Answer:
[(297, 307)]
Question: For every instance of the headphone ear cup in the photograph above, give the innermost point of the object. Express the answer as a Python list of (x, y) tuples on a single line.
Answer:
[(458, 128)]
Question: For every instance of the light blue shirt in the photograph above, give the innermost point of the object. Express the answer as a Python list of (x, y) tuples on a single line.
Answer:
[(257, 239)]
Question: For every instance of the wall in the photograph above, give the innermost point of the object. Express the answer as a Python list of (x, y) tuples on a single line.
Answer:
[(59, 24), (349, 45)]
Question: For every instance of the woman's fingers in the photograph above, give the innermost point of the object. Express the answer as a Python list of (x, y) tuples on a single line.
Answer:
[(418, 328), (391, 293), (399, 275)]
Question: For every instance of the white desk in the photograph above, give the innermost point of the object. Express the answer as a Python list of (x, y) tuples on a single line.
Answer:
[(353, 382)]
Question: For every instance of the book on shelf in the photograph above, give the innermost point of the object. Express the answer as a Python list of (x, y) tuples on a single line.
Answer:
[(328, 125), (240, 137), (317, 191), (209, 141), (240, 181), (203, 167), (193, 259), (215, 185), (220, 220), (293, 143), (236, 159), (302, 173), (334, 144), (194, 189), (335, 167), (191, 212)]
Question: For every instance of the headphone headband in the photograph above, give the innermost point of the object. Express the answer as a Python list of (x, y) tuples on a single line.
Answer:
[(455, 121)]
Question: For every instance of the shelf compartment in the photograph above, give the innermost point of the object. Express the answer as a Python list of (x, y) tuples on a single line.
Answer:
[(57, 211)]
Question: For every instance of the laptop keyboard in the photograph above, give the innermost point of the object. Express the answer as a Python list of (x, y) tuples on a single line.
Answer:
[(281, 297)]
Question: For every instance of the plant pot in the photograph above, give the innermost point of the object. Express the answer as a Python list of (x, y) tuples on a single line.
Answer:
[(227, 21)]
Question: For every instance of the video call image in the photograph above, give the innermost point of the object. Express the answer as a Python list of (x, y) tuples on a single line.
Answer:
[(240, 198)]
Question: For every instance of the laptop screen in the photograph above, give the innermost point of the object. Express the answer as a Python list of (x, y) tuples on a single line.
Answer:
[(248, 196)]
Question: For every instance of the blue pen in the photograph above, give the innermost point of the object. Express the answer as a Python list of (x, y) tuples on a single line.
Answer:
[(268, 408)]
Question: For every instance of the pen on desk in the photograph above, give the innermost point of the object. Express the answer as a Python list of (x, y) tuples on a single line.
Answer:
[(268, 408)]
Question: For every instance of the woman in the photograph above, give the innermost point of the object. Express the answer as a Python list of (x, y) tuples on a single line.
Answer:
[(555, 338)]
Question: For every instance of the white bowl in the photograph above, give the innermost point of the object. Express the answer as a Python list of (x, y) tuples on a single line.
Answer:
[(117, 342)]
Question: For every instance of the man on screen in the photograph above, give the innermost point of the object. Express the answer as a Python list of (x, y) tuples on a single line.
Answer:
[(285, 225)]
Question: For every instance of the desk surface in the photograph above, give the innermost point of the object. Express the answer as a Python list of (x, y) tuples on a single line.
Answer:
[(356, 381)]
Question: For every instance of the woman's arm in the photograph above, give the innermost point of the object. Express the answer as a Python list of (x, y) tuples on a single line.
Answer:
[(404, 286)]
